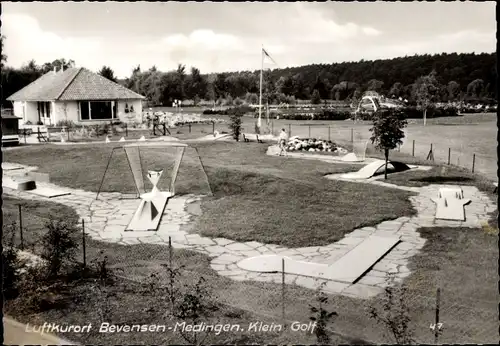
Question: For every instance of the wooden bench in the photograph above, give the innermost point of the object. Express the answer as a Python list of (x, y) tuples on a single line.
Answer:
[(248, 136)]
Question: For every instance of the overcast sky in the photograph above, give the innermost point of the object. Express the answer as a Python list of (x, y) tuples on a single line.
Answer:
[(217, 37)]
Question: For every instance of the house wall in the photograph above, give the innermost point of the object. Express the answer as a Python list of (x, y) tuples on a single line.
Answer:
[(135, 116), (27, 111), (70, 111), (18, 109), (31, 112), (66, 111)]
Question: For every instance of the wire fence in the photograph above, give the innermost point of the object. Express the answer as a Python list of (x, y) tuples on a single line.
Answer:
[(443, 150), (41, 134), (275, 297)]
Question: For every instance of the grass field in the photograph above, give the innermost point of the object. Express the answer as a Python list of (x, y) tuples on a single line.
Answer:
[(461, 261), (280, 201), (257, 197), (464, 136)]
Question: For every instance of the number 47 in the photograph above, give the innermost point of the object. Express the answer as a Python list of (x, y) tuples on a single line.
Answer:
[(433, 326)]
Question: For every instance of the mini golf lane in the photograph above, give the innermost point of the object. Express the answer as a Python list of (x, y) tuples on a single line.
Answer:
[(107, 218)]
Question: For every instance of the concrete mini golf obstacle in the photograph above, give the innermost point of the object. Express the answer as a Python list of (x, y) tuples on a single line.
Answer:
[(349, 268), (19, 183), (49, 192), (148, 215), (450, 204), (28, 182), (6, 166), (374, 167)]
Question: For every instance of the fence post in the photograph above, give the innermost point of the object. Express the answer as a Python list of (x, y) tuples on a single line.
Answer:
[(67, 129), (126, 130), (352, 135), (171, 283), (309, 131), (329, 133), (272, 128), (430, 156), (21, 226), (436, 326), (24, 134), (413, 149), (473, 162), (83, 245), (213, 127), (449, 155), (283, 290), (289, 130)]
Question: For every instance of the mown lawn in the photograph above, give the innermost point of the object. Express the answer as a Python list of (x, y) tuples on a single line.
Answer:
[(461, 261), (275, 200), (76, 300)]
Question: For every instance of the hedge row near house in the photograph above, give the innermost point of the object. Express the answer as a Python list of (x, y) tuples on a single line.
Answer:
[(322, 115), (240, 110)]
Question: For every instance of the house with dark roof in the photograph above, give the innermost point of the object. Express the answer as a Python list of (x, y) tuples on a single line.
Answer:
[(75, 95)]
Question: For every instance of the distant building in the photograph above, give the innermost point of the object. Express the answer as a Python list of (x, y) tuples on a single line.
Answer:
[(10, 129), (77, 95)]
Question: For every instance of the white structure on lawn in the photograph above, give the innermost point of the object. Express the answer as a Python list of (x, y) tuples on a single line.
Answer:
[(77, 95), (371, 101)]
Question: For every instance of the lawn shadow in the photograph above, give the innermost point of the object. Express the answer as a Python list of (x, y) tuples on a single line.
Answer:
[(443, 179)]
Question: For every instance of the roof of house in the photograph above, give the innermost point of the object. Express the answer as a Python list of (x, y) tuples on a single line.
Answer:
[(73, 84)]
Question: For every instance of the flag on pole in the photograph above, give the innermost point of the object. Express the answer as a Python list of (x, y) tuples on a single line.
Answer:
[(268, 60)]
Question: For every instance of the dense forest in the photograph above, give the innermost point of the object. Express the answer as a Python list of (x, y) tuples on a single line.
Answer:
[(455, 77)]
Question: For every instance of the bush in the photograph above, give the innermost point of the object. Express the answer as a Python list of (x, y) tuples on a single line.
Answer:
[(66, 123), (238, 102), (235, 125), (393, 313), (11, 265), (325, 114), (230, 111), (433, 112), (322, 316), (37, 293), (59, 245)]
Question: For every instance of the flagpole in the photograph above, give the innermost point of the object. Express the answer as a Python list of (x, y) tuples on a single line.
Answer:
[(260, 92), (267, 112)]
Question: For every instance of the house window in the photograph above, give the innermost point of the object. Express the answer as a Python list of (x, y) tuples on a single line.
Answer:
[(84, 111), (44, 109), (97, 110)]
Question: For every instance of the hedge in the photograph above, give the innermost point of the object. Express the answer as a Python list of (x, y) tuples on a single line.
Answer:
[(241, 110), (414, 113), (322, 115)]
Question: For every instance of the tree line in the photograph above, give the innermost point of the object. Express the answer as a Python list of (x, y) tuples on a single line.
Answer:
[(455, 77)]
